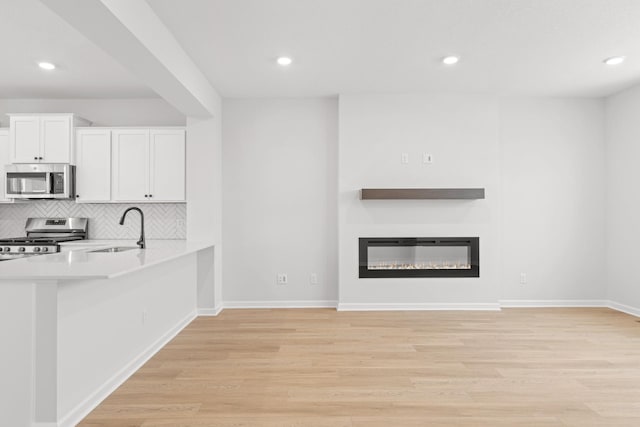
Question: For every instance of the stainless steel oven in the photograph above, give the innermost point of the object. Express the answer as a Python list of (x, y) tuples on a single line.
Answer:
[(40, 181)]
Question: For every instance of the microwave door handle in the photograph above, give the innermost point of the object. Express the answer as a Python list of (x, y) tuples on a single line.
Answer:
[(14, 185), (48, 183)]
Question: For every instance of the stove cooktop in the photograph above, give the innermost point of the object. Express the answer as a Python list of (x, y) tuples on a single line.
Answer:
[(38, 240), (43, 237)]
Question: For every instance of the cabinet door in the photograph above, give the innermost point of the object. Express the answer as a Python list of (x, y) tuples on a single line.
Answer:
[(55, 139), (24, 139), (4, 159), (130, 172), (93, 165), (167, 165)]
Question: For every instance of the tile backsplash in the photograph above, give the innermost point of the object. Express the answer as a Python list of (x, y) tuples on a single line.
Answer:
[(161, 220)]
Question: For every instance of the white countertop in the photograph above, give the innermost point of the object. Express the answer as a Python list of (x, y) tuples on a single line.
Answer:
[(76, 262)]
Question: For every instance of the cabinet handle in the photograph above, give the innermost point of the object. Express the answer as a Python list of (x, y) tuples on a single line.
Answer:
[(150, 195), (77, 196), (40, 158), (35, 158), (146, 195)]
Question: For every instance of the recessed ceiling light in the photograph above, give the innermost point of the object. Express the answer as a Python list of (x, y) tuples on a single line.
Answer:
[(450, 60), (46, 65), (614, 60), (284, 61)]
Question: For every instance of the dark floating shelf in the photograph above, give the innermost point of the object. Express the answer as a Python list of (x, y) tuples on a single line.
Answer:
[(422, 193)]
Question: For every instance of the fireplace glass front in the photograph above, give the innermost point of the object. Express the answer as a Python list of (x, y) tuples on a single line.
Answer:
[(419, 257)]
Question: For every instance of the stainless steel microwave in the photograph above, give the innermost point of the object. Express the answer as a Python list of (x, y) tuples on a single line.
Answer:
[(40, 181)]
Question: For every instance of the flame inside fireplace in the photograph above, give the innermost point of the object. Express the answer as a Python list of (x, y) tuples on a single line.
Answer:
[(397, 265)]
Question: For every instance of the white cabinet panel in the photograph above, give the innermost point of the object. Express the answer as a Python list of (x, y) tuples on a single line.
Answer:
[(130, 165), (25, 139), (167, 165), (55, 139), (93, 165), (4, 159), (42, 138)]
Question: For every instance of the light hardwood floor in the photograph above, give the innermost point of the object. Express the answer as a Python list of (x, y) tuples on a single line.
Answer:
[(318, 367)]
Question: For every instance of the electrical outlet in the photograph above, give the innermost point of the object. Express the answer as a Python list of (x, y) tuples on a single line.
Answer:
[(523, 278), (313, 278), (282, 279), (179, 223), (427, 158), (404, 158)]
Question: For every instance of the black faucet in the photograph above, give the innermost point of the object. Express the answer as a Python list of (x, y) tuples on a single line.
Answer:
[(140, 242)]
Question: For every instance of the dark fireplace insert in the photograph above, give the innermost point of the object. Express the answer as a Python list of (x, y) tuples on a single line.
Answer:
[(387, 257)]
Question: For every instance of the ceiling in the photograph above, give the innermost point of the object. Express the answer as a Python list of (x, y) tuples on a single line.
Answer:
[(510, 47), (32, 33)]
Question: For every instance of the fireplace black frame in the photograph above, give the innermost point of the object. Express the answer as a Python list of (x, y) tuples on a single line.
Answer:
[(472, 243)]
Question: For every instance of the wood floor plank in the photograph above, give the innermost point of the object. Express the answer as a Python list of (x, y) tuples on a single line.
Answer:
[(320, 368)]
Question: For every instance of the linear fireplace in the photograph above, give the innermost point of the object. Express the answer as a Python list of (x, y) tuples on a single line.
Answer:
[(419, 257)]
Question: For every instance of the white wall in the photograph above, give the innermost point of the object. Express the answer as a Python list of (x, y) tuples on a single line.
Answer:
[(462, 135), (204, 202), (102, 112), (279, 199), (553, 199), (540, 160), (623, 197)]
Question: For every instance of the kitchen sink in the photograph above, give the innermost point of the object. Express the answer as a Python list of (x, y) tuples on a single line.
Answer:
[(116, 249)]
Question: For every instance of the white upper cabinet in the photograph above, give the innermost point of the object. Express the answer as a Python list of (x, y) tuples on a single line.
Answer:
[(130, 165), (42, 138), (148, 165), (167, 165), (93, 165)]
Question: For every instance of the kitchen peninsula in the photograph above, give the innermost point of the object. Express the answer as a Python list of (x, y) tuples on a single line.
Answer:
[(83, 321)]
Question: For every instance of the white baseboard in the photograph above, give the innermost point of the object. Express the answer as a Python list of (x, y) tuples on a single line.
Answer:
[(281, 304), (76, 415), (210, 311), (423, 306), (553, 303), (634, 311), (416, 306)]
